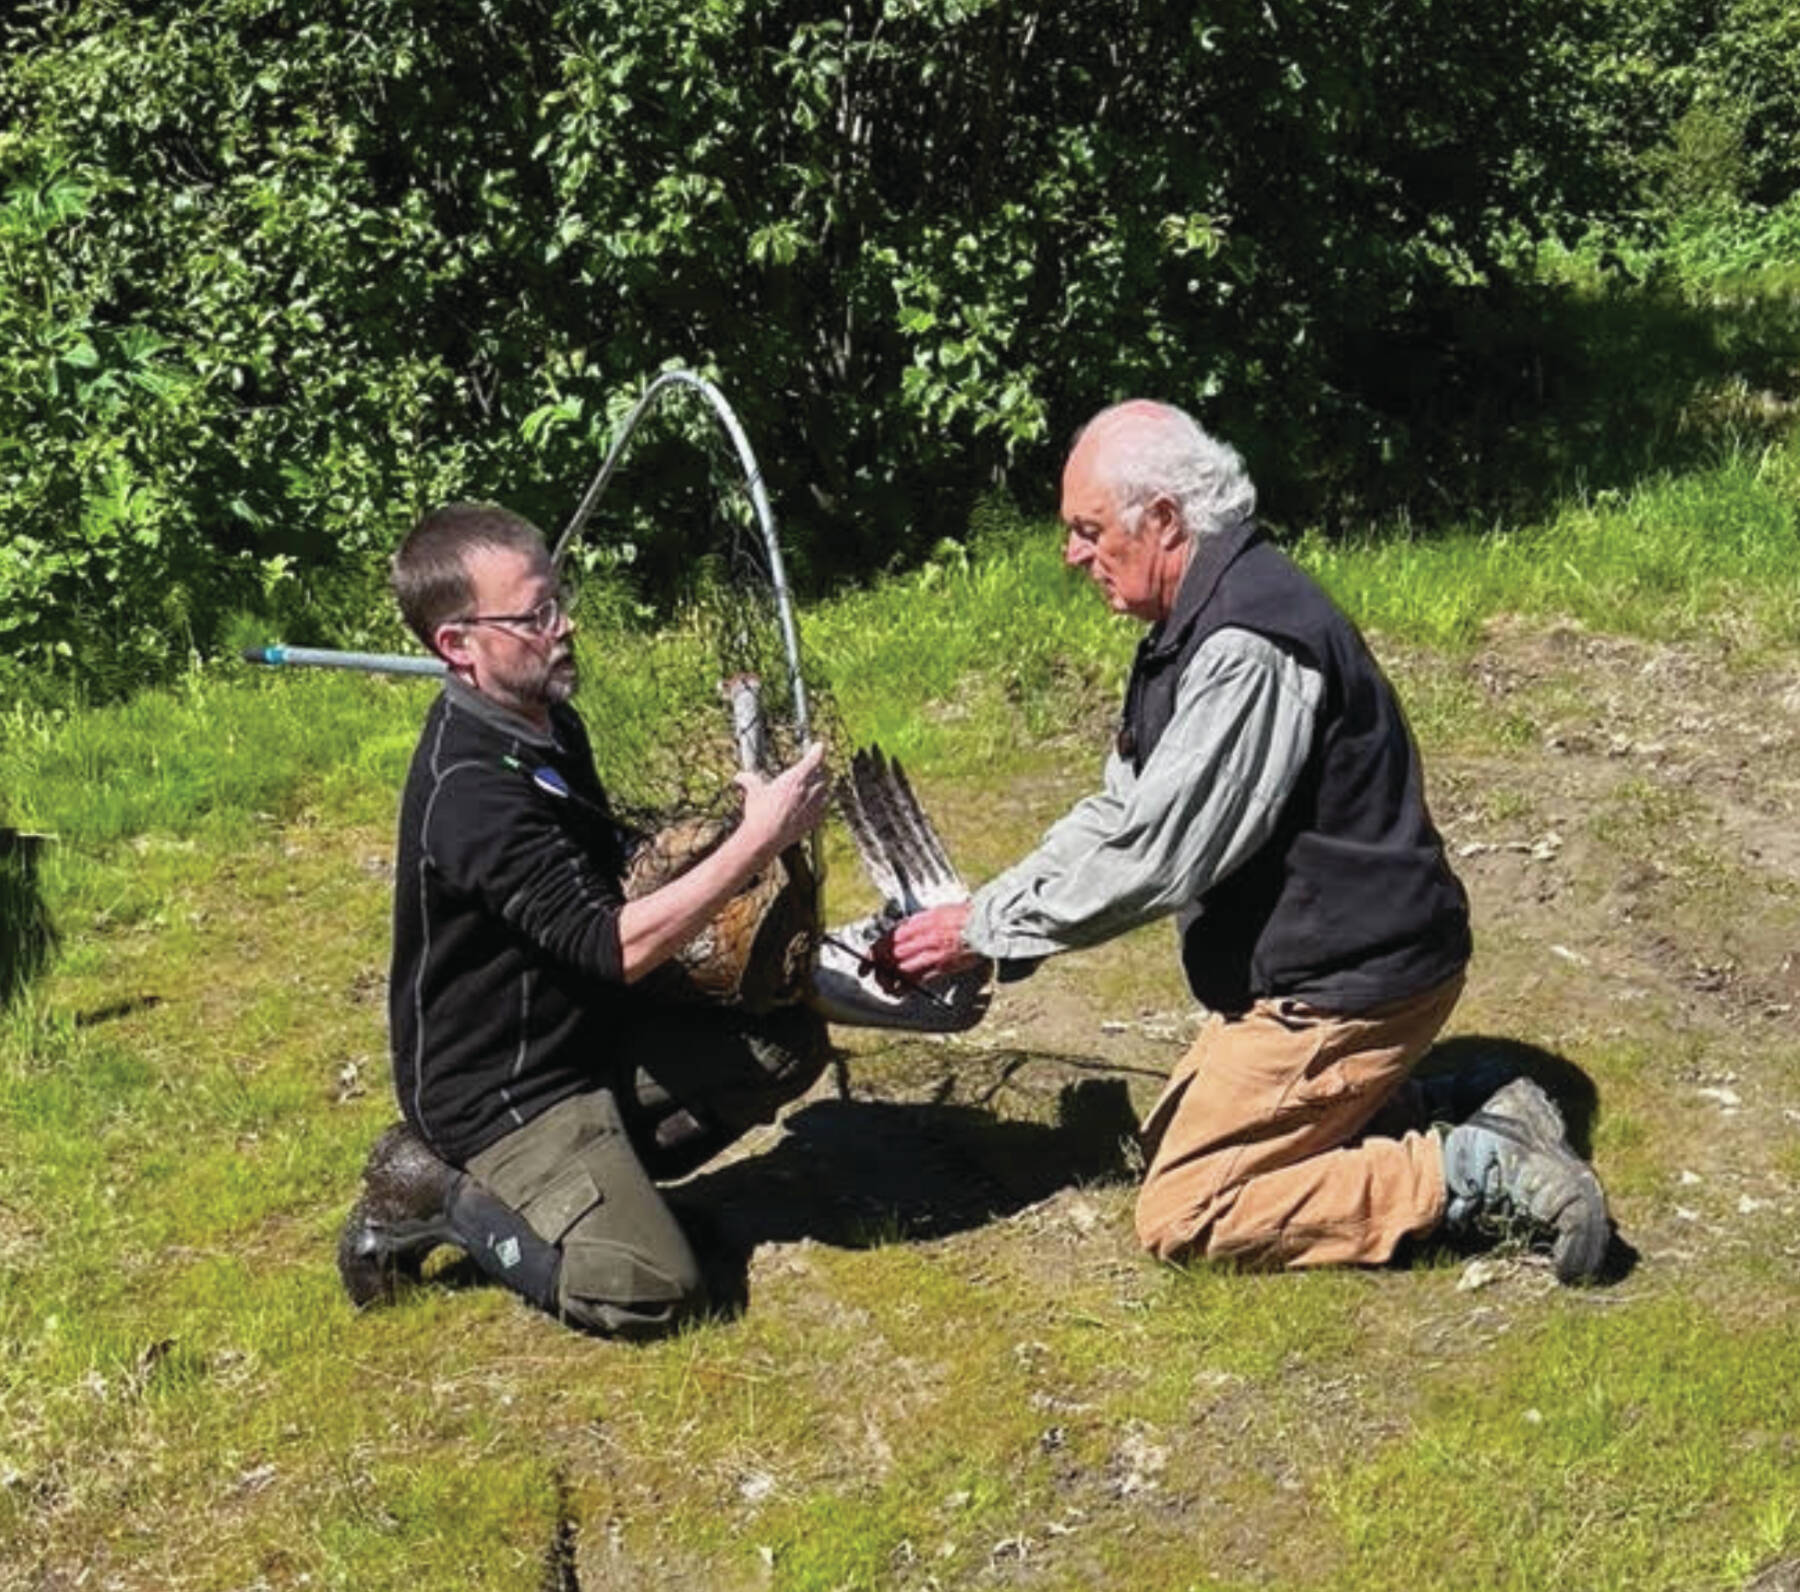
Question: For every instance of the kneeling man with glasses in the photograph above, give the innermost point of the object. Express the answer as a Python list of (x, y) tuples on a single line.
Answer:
[(543, 1094)]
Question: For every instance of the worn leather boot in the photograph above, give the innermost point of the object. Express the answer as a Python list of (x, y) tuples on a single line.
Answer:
[(1510, 1162), (400, 1217)]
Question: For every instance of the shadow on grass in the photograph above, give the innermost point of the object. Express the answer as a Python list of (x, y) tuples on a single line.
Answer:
[(858, 1173), (1489, 1055), (27, 936)]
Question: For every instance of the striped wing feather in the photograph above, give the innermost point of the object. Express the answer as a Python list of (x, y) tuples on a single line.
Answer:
[(899, 848)]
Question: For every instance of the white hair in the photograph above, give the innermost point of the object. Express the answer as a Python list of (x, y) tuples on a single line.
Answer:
[(1147, 450)]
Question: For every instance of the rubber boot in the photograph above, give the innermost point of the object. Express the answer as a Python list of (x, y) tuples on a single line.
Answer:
[(411, 1203)]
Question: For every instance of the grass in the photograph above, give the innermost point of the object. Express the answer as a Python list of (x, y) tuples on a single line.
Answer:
[(1536, 1478), (185, 1099), (962, 663), (1706, 554)]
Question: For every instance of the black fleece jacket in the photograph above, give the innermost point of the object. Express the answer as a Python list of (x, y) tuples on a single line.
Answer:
[(506, 975)]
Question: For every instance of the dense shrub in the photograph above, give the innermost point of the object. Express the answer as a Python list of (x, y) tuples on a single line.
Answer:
[(1706, 97), (273, 278)]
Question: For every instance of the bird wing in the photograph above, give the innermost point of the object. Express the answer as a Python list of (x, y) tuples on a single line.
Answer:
[(906, 861), (900, 850), (844, 986)]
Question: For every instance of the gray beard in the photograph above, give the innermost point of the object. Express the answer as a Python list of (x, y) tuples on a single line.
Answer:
[(562, 683)]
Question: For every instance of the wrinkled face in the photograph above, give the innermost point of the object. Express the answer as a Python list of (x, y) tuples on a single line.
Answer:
[(1138, 570), (505, 652)]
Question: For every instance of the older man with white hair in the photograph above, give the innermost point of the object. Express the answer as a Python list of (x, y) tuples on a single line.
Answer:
[(1266, 791)]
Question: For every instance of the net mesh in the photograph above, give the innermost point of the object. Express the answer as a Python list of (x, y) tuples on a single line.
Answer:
[(662, 639)]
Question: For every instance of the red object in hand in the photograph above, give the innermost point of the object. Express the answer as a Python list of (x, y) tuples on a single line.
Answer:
[(881, 961)]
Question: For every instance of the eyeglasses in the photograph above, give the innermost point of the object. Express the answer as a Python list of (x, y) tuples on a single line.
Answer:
[(541, 621)]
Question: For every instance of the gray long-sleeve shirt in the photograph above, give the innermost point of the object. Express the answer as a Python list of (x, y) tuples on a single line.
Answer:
[(1149, 843)]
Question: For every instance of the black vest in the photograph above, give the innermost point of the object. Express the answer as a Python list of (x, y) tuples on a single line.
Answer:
[(1351, 903)]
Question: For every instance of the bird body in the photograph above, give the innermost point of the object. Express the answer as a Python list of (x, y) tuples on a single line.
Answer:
[(768, 945)]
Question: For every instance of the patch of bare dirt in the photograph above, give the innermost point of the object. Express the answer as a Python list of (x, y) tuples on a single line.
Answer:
[(1635, 875)]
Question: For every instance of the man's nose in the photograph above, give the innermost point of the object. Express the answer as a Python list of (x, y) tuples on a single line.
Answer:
[(1076, 552)]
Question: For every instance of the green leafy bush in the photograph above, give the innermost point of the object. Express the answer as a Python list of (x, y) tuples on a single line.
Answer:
[(1707, 97), (275, 278)]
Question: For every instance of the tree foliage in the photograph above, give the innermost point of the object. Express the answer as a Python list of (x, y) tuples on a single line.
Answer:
[(273, 278), (1707, 99)]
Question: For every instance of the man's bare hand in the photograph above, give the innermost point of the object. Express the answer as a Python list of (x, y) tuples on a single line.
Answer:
[(929, 943), (780, 811)]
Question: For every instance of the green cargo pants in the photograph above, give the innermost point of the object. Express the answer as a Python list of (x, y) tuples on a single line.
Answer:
[(584, 1173)]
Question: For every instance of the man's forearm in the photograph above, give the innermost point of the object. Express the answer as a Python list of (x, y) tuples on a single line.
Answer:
[(654, 927), (778, 812)]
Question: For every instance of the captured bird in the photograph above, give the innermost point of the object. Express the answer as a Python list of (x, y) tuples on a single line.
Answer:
[(768, 945)]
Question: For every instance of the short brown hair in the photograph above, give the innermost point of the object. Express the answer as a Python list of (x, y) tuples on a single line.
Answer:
[(430, 573)]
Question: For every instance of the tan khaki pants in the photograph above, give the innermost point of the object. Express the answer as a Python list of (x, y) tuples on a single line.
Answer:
[(1257, 1149)]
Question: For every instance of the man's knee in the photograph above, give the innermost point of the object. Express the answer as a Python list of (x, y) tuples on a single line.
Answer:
[(624, 1265), (1177, 1223), (1161, 1229), (621, 1290)]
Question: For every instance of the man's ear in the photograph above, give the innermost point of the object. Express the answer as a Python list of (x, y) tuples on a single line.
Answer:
[(1165, 521), (451, 642)]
